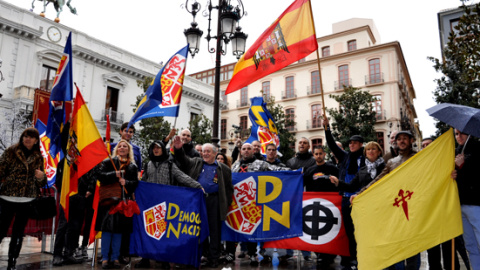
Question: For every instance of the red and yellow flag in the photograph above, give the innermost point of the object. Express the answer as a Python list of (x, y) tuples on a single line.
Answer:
[(85, 149), (290, 38), (411, 209)]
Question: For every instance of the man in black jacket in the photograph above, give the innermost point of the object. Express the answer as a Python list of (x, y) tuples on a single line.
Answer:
[(188, 146), (303, 158)]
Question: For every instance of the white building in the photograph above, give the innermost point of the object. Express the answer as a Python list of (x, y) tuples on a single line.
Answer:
[(31, 47)]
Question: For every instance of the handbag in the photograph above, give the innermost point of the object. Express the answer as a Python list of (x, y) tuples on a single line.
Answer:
[(44, 206), (110, 194)]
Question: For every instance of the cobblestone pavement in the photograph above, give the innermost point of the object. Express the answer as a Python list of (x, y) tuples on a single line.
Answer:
[(31, 257)]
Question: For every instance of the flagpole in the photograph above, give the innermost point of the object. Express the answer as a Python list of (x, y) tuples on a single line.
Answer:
[(318, 59)]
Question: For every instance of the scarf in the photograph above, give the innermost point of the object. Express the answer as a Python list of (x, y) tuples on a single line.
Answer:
[(372, 166)]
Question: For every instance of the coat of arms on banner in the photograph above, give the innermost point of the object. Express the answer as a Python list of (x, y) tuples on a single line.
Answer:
[(154, 220), (244, 215)]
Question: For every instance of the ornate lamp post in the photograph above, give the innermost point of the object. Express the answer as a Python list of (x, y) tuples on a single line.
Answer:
[(227, 30)]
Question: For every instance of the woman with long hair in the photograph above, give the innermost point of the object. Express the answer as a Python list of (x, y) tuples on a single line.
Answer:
[(21, 175), (118, 179), (221, 157)]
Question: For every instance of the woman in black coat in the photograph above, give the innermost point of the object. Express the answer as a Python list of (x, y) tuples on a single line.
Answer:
[(115, 183), (374, 164)]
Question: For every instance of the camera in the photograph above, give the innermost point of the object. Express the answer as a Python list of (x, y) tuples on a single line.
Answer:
[(236, 127)]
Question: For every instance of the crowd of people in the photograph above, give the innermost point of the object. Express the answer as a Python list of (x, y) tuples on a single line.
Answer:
[(205, 167)]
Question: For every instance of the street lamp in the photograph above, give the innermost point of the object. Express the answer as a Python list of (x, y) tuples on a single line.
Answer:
[(227, 30)]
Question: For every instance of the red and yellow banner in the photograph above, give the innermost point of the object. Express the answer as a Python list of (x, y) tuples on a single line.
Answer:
[(85, 150), (290, 38)]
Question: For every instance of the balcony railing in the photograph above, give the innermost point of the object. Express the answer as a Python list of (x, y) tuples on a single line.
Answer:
[(318, 123), (289, 94), (312, 90), (243, 103), (339, 85), (115, 117), (374, 78)]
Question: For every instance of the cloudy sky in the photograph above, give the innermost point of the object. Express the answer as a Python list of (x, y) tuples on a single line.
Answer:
[(153, 29)]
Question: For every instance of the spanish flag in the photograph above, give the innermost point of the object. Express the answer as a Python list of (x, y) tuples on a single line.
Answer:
[(413, 208), (85, 149), (288, 39)]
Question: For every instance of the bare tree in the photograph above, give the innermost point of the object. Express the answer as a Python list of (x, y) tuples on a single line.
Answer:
[(15, 120)]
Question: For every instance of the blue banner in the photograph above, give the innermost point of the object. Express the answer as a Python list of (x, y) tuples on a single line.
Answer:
[(62, 91), (266, 206), (171, 225), (264, 129)]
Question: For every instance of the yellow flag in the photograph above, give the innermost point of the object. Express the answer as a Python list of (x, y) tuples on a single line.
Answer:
[(413, 208)]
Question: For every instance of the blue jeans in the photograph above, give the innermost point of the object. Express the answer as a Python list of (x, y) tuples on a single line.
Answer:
[(471, 233), (111, 242)]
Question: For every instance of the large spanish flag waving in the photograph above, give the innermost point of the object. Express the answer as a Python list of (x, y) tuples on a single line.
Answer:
[(411, 209), (85, 150), (289, 38)]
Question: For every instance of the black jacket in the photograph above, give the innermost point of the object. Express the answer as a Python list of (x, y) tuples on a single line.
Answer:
[(301, 160), (362, 179), (467, 176)]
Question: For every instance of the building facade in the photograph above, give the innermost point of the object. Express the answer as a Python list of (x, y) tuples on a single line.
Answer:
[(353, 56), (31, 47)]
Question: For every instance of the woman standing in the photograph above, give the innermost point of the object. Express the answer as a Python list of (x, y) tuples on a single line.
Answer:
[(374, 165), (115, 182), (22, 176), (221, 157)]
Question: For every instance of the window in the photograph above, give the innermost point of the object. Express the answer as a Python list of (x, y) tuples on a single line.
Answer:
[(223, 129), (266, 90), (453, 24), (48, 75), (290, 119), (352, 45), (244, 97), (316, 116), (111, 103), (315, 83), (223, 96), (193, 116), (243, 122), (343, 76), (316, 142), (374, 71), (381, 141), (377, 107), (326, 51), (289, 87)]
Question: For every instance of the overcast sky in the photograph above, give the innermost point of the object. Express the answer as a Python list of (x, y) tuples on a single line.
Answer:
[(153, 29)]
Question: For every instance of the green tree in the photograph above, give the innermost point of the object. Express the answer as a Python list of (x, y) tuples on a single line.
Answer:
[(287, 138), (201, 129), (354, 117), (155, 128), (460, 83)]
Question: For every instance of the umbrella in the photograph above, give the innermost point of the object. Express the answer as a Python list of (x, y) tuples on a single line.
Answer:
[(464, 118), (126, 207)]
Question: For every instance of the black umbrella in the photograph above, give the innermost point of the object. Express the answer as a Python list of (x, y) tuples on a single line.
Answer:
[(464, 118)]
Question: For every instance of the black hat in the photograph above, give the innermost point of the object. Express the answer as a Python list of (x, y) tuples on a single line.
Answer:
[(406, 132), (357, 138)]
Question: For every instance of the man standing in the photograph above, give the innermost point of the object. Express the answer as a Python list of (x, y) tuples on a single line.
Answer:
[(303, 158), (248, 163), (349, 164), (257, 150), (216, 179), (393, 147), (404, 141), (198, 148), (188, 147), (317, 178), (272, 155)]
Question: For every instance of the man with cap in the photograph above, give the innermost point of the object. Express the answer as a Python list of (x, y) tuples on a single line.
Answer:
[(348, 165), (393, 147), (404, 140)]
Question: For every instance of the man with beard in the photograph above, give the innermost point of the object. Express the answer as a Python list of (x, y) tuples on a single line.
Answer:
[(393, 147), (404, 141), (349, 164), (272, 155), (303, 158)]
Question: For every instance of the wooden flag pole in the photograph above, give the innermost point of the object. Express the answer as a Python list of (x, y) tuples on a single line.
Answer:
[(318, 60)]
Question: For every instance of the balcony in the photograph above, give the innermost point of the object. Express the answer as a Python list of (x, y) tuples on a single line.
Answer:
[(374, 78), (313, 90), (339, 85), (312, 124), (24, 92), (289, 94), (115, 117), (243, 103)]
